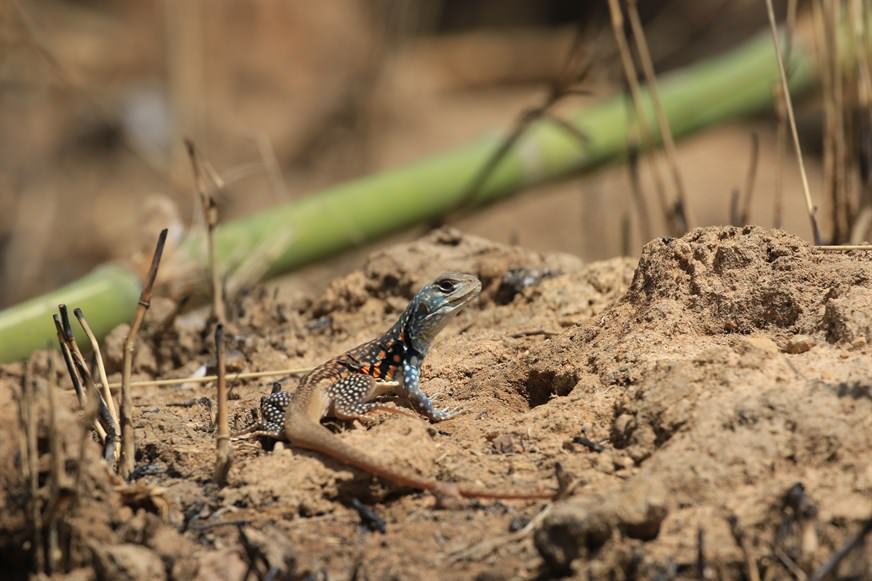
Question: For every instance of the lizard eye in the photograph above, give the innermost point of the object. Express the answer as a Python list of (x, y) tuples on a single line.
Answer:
[(445, 285)]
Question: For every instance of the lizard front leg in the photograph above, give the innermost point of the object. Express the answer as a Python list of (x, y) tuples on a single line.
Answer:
[(411, 390), (350, 397)]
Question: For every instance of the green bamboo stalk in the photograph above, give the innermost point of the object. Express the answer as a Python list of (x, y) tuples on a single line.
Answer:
[(726, 87), (109, 292)]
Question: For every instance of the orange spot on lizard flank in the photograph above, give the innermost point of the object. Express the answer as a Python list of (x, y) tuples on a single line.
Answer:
[(396, 358)]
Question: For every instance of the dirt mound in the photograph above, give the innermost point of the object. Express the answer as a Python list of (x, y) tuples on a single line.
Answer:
[(722, 386)]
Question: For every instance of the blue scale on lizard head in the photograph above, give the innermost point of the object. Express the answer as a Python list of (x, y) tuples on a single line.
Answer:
[(433, 307)]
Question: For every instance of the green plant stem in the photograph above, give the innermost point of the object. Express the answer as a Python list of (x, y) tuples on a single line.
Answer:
[(726, 87)]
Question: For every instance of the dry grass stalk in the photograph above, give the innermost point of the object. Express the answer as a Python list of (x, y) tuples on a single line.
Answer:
[(826, 17), (80, 369), (861, 225), (574, 70), (255, 267), (781, 117), (746, 547), (744, 213), (56, 469), (863, 120), (106, 428), (670, 218), (853, 542), (860, 18), (662, 122), (128, 442), (101, 367), (222, 438), (68, 360), (637, 194), (90, 418), (844, 213), (31, 428), (812, 210), (822, 45), (843, 247), (209, 378), (210, 216)]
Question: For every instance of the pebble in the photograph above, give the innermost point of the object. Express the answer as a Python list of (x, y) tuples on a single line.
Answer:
[(799, 344)]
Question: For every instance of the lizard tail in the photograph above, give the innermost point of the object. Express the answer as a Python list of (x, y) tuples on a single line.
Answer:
[(301, 432), (468, 492)]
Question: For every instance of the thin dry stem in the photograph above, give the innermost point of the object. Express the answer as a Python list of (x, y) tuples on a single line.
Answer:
[(56, 468), (101, 368), (210, 216), (641, 119), (574, 69), (89, 419), (861, 225), (68, 360), (781, 115), (33, 469), (812, 210), (746, 548), (209, 378), (852, 543), (860, 18), (844, 211), (78, 361), (222, 437), (255, 267), (843, 247), (128, 442), (638, 195), (826, 18), (662, 122), (744, 214)]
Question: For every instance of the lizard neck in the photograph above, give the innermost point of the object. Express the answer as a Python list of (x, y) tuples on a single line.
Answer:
[(407, 331)]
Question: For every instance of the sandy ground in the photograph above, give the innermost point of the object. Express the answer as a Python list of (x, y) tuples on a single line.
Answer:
[(725, 376)]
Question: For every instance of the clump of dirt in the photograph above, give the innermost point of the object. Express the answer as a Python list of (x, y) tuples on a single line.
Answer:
[(720, 385)]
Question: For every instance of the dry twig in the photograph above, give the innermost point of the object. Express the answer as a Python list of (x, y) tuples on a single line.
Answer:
[(68, 360), (209, 378), (56, 469), (636, 192), (843, 247), (101, 368), (660, 115), (574, 70), (222, 439), (850, 544), (31, 429), (743, 213), (745, 547), (210, 216), (128, 442), (781, 116), (106, 433), (812, 209), (670, 217)]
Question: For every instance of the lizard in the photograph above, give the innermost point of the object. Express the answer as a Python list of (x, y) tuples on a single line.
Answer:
[(344, 387)]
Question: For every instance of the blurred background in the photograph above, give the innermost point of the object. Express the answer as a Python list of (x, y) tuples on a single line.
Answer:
[(285, 98)]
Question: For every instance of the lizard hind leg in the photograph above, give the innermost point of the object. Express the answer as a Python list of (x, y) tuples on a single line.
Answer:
[(272, 417)]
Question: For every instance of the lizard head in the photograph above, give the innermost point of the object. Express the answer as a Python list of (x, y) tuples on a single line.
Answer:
[(434, 305)]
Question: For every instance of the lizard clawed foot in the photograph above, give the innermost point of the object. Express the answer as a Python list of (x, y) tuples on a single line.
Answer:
[(447, 414), (447, 496), (257, 431)]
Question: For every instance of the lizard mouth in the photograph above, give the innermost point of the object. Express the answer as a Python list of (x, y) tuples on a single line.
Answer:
[(462, 297)]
